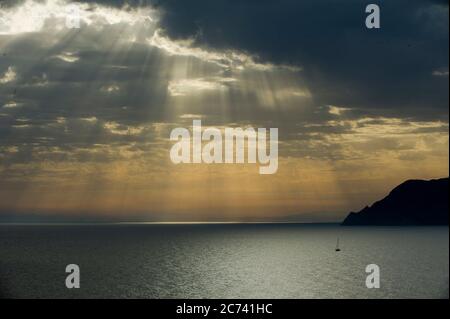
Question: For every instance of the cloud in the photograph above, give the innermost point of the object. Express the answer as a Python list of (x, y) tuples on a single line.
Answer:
[(112, 88), (194, 86), (34, 16), (440, 73), (335, 110), (69, 57), (10, 105), (225, 58), (9, 76)]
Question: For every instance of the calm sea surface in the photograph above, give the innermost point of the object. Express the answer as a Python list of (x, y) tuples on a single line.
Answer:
[(223, 261)]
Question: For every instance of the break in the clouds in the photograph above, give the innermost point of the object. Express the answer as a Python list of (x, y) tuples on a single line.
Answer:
[(89, 110)]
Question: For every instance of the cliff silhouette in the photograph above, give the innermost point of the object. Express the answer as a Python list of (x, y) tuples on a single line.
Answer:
[(414, 202)]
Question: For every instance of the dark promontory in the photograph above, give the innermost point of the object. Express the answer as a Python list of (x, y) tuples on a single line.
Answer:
[(414, 202)]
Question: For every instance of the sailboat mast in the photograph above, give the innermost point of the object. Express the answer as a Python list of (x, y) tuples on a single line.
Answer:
[(337, 245)]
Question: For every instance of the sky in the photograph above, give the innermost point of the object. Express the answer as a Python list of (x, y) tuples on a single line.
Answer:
[(86, 113)]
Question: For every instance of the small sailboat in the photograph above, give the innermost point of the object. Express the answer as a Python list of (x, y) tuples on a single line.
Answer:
[(337, 245)]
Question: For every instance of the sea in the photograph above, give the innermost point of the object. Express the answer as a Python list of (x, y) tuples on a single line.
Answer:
[(273, 261)]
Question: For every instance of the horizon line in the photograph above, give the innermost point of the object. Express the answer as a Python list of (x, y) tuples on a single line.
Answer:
[(160, 223)]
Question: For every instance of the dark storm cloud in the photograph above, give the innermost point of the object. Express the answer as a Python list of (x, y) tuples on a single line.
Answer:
[(386, 71)]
